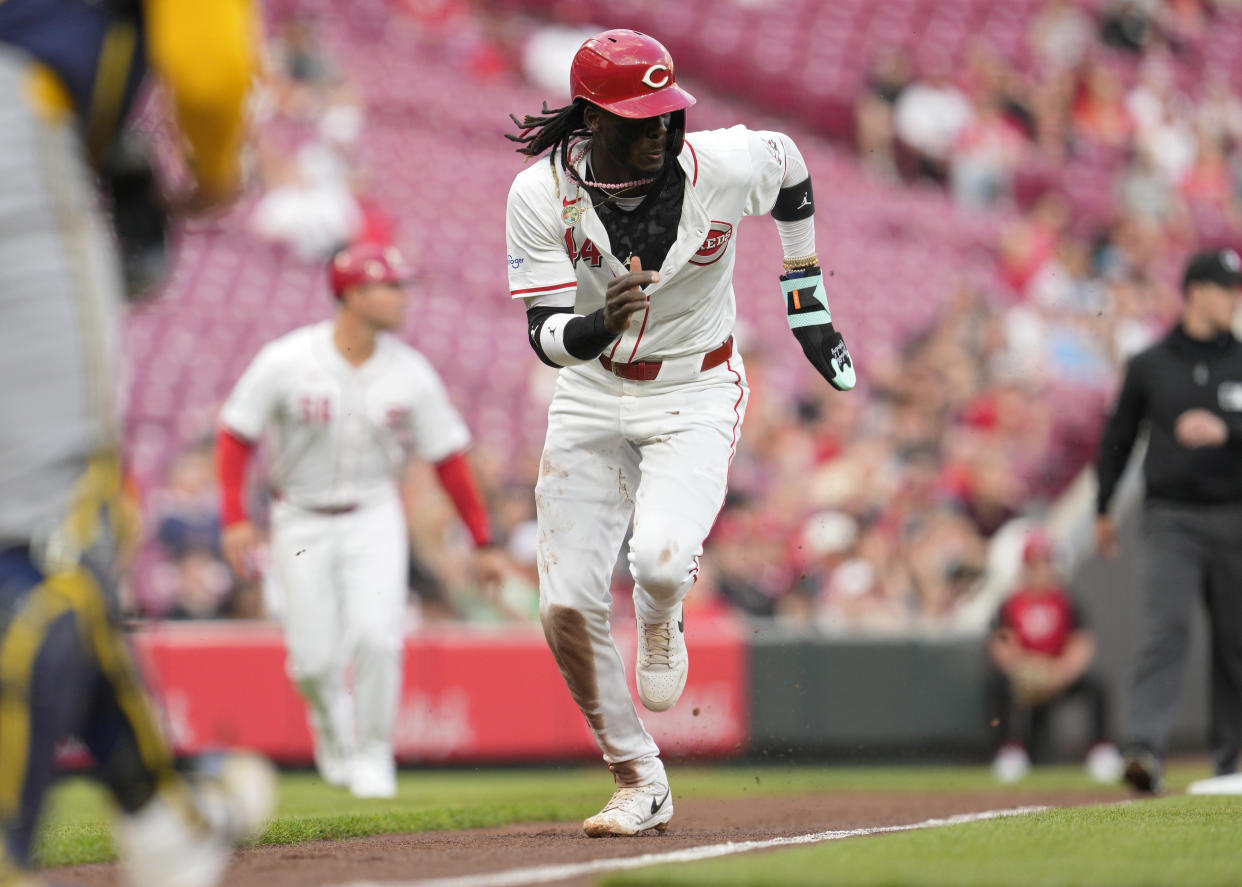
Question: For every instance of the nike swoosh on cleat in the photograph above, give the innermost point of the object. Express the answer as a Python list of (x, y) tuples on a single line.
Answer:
[(681, 624), (656, 805)]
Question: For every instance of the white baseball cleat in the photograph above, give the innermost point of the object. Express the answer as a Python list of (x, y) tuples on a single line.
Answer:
[(633, 810), (1011, 763), (1104, 763), (184, 836), (373, 775), (334, 769), (663, 662)]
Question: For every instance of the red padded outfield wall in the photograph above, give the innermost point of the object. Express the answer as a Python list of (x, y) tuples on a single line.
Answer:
[(470, 694)]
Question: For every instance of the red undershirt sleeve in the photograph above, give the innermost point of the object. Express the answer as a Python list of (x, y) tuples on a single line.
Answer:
[(232, 455), (458, 481)]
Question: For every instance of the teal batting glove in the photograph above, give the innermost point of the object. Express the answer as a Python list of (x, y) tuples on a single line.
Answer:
[(806, 308)]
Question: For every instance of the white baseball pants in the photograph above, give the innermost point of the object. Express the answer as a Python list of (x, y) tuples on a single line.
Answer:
[(339, 586), (658, 452)]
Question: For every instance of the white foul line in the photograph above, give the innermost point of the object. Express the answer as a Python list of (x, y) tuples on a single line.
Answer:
[(543, 874)]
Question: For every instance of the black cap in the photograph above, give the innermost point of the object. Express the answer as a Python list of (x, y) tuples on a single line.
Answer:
[(1220, 266)]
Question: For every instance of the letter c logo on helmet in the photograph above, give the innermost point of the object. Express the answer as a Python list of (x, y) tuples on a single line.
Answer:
[(649, 77)]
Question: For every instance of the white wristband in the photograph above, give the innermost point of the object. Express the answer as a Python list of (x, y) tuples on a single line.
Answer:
[(552, 340)]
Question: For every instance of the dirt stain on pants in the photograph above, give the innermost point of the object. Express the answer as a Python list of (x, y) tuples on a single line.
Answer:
[(566, 631), (569, 639)]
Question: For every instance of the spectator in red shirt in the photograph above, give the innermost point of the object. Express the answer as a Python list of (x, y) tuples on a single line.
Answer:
[(1041, 653), (1098, 112)]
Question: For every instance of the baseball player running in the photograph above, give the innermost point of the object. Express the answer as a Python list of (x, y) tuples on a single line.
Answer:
[(69, 73), (622, 246), (347, 403)]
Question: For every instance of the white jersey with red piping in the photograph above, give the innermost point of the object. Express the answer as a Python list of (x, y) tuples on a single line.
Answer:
[(340, 433), (558, 245)]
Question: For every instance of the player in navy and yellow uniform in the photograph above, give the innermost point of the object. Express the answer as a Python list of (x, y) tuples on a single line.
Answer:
[(69, 74)]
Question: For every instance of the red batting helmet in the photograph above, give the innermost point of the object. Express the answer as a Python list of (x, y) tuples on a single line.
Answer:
[(1038, 546), (627, 73), (367, 263)]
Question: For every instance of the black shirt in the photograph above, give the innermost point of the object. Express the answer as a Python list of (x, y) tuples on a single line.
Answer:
[(1173, 376), (649, 230)]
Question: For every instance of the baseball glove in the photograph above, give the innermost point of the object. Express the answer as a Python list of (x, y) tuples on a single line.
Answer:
[(138, 214), (1032, 684)]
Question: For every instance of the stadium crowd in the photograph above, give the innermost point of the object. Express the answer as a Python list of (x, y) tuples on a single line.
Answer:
[(1109, 159), (873, 514)]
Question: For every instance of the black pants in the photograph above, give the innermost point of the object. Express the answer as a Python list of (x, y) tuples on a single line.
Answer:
[(1033, 726), (1190, 552), (65, 671)]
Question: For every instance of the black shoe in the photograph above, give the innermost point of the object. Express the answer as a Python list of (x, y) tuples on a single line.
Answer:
[(1144, 773)]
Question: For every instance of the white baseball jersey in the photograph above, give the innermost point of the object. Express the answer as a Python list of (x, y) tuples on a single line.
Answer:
[(341, 433), (558, 245)]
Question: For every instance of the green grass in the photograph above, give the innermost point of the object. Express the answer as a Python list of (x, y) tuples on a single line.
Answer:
[(76, 829), (1174, 840)]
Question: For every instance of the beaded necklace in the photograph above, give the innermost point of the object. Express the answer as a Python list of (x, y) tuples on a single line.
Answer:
[(606, 186), (617, 186), (572, 212)]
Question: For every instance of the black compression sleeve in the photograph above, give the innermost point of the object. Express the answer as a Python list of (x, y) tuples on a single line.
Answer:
[(585, 337), (795, 203)]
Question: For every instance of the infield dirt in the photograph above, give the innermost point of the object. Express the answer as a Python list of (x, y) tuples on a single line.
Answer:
[(698, 821)]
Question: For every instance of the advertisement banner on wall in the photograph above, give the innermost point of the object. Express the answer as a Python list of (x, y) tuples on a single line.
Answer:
[(470, 693)]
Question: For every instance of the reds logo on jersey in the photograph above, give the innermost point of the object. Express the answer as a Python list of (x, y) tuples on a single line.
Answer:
[(718, 236), (397, 417), (1039, 622), (1043, 620)]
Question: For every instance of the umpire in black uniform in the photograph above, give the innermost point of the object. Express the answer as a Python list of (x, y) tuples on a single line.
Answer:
[(1187, 390)]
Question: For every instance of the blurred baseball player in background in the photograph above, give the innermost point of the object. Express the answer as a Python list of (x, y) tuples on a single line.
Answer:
[(1041, 652), (622, 247), (69, 72), (347, 403)]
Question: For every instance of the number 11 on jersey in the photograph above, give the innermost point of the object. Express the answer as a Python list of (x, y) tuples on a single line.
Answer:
[(315, 410)]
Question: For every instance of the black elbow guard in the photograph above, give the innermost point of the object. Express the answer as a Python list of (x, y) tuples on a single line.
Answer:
[(795, 203)]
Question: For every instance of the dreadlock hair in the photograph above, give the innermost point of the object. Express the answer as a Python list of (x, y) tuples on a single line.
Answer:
[(554, 128)]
